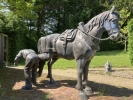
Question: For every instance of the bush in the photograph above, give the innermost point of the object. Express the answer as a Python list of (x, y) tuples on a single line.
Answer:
[(130, 40), (110, 45)]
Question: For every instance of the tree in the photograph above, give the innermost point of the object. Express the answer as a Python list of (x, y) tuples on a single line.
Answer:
[(16, 30), (123, 23), (23, 8), (126, 12)]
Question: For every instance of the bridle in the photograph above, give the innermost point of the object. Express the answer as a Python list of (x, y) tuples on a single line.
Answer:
[(86, 33)]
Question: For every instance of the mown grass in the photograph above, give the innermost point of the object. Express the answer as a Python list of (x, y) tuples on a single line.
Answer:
[(117, 58)]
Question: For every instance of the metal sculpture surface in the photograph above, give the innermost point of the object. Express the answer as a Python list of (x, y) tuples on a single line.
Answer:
[(31, 65), (80, 44)]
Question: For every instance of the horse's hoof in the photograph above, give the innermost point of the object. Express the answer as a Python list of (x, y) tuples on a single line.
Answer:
[(78, 87), (83, 95), (88, 91), (52, 82)]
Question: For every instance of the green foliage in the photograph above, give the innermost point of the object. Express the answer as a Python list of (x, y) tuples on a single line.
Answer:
[(125, 8), (124, 13), (24, 23), (74, 11), (23, 8), (130, 40), (11, 48), (31, 41), (1, 25), (16, 30), (109, 44)]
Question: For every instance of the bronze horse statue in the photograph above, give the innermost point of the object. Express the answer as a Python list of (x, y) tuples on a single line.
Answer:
[(80, 44)]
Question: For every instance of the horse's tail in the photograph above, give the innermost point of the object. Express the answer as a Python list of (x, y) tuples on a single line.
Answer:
[(42, 45), (39, 46)]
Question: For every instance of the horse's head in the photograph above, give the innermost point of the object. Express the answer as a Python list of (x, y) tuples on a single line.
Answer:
[(112, 25)]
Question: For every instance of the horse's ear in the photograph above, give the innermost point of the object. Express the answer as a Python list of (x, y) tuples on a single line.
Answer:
[(112, 10)]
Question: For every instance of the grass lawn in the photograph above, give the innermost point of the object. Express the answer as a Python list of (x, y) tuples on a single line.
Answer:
[(116, 58)]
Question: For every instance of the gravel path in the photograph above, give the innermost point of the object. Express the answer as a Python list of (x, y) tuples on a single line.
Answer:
[(116, 85), (118, 77)]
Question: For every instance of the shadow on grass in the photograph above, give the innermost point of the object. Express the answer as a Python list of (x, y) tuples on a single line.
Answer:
[(8, 78)]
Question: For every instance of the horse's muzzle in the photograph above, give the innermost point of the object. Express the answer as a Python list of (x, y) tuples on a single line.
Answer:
[(115, 36)]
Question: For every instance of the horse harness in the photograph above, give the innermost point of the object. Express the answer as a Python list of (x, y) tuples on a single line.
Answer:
[(69, 35)]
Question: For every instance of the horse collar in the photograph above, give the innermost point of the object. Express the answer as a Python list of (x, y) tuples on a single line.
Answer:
[(86, 33)]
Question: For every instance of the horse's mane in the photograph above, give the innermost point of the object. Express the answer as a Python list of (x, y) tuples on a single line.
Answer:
[(97, 21)]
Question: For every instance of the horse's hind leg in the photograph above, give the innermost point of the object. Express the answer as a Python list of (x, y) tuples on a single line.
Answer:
[(43, 57), (41, 65), (50, 63), (85, 78)]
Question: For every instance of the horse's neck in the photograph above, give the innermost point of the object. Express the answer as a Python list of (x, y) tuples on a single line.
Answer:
[(97, 32)]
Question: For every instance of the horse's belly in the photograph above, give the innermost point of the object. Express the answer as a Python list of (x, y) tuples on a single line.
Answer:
[(65, 50)]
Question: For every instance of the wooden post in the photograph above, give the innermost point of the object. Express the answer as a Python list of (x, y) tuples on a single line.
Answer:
[(3, 49)]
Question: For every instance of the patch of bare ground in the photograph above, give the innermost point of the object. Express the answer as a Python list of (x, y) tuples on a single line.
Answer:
[(116, 85)]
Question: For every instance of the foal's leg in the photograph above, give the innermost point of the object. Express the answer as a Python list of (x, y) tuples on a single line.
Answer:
[(50, 63), (85, 78), (80, 64)]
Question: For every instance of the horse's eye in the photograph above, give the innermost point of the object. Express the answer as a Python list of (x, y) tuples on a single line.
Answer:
[(114, 21)]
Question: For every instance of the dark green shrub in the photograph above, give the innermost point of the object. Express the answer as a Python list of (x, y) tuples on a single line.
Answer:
[(110, 45), (130, 40), (31, 41)]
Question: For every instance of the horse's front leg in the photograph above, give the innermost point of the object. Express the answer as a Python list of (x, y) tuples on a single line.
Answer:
[(50, 63), (88, 90), (80, 64)]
